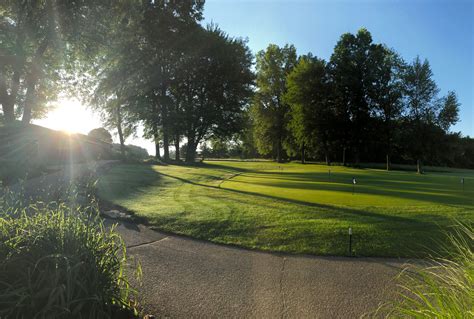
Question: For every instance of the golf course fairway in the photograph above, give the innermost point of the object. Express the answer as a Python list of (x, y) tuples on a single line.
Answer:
[(297, 208)]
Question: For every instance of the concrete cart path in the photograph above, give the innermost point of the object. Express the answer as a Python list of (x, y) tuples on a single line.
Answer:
[(186, 278)]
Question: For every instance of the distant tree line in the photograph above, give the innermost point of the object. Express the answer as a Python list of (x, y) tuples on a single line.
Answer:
[(364, 104), (151, 63)]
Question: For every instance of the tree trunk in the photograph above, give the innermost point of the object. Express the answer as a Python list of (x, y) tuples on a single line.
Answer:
[(418, 167), (164, 115), (176, 146), (35, 71), (157, 150), (326, 157), (389, 144), (166, 144), (279, 159), (7, 101), (191, 151), (344, 156), (302, 154), (29, 99), (8, 111), (157, 142), (357, 158), (120, 132)]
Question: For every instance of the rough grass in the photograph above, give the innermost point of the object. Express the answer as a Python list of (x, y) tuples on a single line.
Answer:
[(444, 289), (58, 261), (296, 208)]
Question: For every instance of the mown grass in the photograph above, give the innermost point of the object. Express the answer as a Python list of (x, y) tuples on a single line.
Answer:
[(296, 208)]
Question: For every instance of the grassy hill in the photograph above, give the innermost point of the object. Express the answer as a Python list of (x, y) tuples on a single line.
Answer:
[(30, 149)]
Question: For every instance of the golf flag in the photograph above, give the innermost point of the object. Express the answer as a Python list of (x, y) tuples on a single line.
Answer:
[(354, 180)]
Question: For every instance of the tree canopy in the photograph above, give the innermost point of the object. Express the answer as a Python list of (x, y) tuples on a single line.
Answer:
[(101, 134), (269, 110), (39, 40), (153, 65)]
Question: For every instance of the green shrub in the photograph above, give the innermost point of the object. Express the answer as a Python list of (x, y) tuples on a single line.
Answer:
[(445, 289), (61, 262)]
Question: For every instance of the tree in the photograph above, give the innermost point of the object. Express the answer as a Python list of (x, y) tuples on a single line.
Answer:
[(353, 71), (212, 86), (449, 114), (245, 138), (420, 97), (38, 38), (219, 148), (101, 134), (269, 111), (387, 95), (309, 96), (111, 99), (133, 73), (165, 29)]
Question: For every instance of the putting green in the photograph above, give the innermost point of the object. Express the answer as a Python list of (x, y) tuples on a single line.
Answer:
[(334, 186), (297, 208)]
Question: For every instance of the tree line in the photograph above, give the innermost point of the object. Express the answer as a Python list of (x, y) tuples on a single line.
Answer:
[(364, 104), (193, 87)]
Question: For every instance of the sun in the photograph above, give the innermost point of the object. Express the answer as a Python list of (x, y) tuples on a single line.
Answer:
[(71, 116)]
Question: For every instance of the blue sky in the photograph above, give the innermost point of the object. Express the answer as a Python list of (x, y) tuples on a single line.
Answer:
[(441, 31)]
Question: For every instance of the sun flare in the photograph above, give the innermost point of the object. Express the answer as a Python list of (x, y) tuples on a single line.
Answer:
[(71, 116)]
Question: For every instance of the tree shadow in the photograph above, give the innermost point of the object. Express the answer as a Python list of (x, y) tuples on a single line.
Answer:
[(356, 213), (393, 233), (448, 191)]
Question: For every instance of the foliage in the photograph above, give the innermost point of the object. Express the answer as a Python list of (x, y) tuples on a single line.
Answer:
[(39, 40), (269, 111), (445, 289), (223, 148), (214, 87), (105, 80), (153, 64), (59, 261), (178, 79), (449, 114), (353, 68), (420, 91), (309, 96), (101, 134), (387, 96), (135, 152), (365, 104)]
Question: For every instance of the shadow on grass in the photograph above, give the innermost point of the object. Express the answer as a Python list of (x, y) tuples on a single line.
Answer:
[(387, 234), (298, 202), (439, 190)]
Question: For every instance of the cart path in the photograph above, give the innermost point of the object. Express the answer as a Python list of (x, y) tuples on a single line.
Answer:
[(187, 278)]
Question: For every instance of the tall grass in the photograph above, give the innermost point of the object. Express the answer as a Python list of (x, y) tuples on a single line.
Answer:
[(445, 288), (57, 260)]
